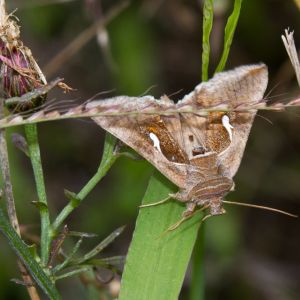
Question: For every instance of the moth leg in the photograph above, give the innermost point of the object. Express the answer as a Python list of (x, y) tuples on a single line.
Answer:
[(190, 208), (182, 195), (156, 203), (186, 215), (176, 196)]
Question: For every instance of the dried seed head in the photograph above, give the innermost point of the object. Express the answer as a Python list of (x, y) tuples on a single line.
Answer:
[(19, 71)]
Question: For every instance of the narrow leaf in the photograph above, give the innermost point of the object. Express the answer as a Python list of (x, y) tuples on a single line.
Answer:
[(229, 33), (103, 244), (208, 15), (22, 251), (157, 260)]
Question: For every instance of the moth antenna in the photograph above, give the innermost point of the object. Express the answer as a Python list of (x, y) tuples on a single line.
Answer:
[(156, 203), (148, 90), (261, 207)]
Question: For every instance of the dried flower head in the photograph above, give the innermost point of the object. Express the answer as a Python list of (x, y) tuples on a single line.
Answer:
[(19, 71)]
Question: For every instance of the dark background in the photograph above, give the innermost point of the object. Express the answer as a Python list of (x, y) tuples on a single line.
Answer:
[(156, 45)]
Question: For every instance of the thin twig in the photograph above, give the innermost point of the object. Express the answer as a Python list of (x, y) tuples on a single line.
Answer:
[(83, 38)]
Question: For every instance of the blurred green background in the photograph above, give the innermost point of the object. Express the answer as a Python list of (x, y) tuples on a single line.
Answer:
[(154, 47)]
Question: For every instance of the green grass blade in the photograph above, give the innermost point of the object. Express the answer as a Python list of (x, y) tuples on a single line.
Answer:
[(24, 254), (156, 263), (208, 16), (197, 289), (229, 33)]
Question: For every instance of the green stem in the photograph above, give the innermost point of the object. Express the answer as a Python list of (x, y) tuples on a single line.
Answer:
[(35, 157), (107, 161), (24, 254), (68, 259), (73, 273)]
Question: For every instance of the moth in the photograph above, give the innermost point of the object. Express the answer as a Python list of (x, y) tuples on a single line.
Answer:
[(197, 143), (200, 154)]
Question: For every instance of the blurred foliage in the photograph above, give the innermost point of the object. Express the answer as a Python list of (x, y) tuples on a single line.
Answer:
[(249, 253)]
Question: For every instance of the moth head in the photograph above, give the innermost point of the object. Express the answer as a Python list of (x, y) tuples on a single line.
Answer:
[(216, 207)]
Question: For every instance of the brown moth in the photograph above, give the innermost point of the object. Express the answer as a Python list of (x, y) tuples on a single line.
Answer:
[(199, 154)]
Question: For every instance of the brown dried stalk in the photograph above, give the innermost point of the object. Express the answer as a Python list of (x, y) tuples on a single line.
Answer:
[(85, 36), (289, 44)]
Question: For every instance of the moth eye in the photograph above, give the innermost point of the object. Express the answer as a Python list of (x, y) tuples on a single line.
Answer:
[(191, 138)]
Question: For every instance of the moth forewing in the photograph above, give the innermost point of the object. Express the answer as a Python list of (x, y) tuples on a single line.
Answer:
[(127, 129)]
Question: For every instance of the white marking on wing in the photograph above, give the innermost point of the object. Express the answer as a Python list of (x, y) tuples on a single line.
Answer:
[(156, 142), (227, 126)]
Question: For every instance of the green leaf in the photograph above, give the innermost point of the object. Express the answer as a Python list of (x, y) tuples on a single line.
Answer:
[(157, 260), (22, 251), (229, 33), (103, 244), (208, 16), (40, 205), (72, 197)]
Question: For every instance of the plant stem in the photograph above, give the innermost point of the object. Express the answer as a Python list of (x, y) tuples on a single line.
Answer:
[(73, 273), (11, 210), (68, 259), (35, 157), (107, 161), (82, 194)]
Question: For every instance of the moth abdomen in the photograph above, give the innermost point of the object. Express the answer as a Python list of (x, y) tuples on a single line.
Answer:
[(212, 188)]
